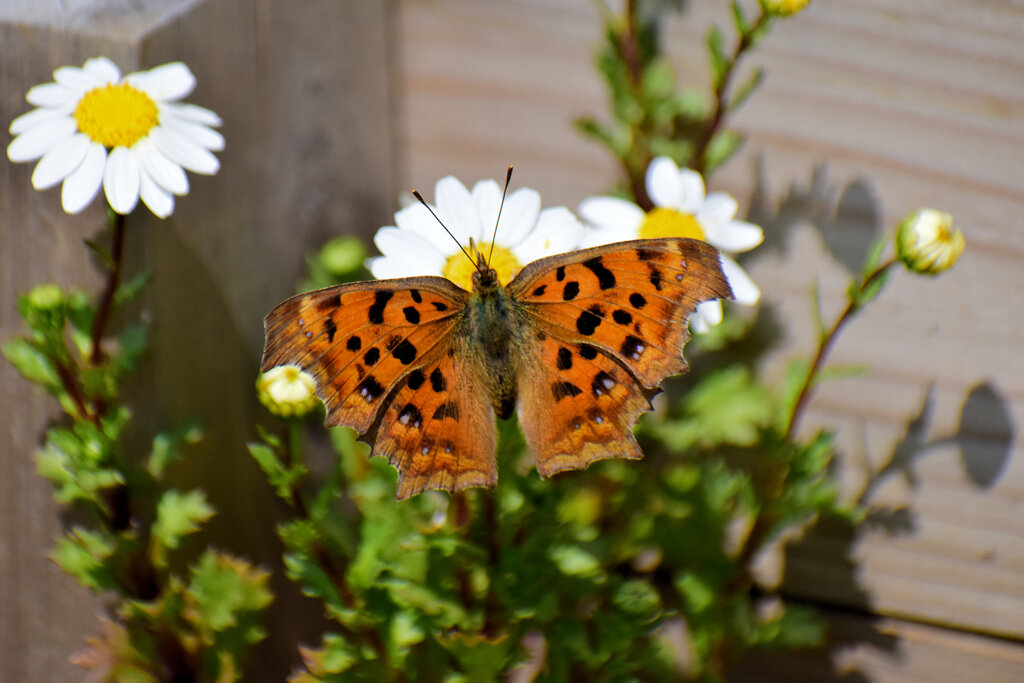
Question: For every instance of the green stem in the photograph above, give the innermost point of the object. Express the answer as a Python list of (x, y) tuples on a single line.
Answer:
[(99, 324), (825, 347), (698, 160)]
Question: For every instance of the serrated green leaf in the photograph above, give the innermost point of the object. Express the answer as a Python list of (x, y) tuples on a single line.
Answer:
[(314, 581), (446, 612), (282, 479), (177, 515), (637, 598), (83, 554), (723, 145), (168, 446), (221, 588)]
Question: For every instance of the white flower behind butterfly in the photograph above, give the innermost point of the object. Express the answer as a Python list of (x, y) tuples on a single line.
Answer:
[(681, 209), (92, 127), (418, 245)]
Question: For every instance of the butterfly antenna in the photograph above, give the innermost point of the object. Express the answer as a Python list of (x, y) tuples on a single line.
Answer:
[(494, 236), (417, 195)]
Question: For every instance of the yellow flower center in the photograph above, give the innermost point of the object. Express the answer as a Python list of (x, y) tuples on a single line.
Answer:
[(671, 223), (460, 269), (116, 115)]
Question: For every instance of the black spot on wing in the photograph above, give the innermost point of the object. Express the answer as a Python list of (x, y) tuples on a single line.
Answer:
[(331, 329), (376, 312), (589, 320), (449, 409), (354, 343), (656, 279), (416, 296), (411, 314), (415, 380), (405, 352), (564, 360), (437, 381), (637, 300), (561, 389), (411, 416), (605, 277), (622, 317), (370, 389), (587, 351), (439, 306), (560, 273), (371, 356), (539, 290), (329, 304), (602, 384), (570, 291), (647, 254), (632, 347)]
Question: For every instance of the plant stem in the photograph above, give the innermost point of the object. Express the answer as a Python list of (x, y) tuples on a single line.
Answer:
[(825, 346), (698, 160), (99, 324)]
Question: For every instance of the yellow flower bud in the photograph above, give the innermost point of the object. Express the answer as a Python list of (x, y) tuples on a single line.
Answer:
[(287, 391), (784, 8), (928, 243)]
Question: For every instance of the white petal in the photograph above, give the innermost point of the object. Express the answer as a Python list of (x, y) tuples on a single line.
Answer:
[(39, 116), (718, 207), (596, 237), (168, 82), (36, 142), (734, 236), (557, 231), (183, 151), (84, 182), (197, 133), (192, 112), (487, 198), (613, 213), (707, 315), (744, 290), (63, 158), (162, 170), (159, 200), (386, 267), (121, 180), (455, 207), (663, 184), (103, 70), (693, 191), (52, 95), (518, 216), (407, 246), (75, 78), (416, 219)]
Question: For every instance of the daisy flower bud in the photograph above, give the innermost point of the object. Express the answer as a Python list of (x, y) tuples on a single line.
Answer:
[(287, 391), (784, 8), (928, 243)]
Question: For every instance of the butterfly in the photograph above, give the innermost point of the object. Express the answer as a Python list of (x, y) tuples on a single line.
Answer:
[(577, 344)]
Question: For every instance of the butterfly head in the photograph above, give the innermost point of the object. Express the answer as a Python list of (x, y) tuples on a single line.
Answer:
[(485, 278)]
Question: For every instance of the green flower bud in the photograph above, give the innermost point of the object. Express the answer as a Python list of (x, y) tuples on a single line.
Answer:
[(784, 8), (343, 256), (928, 243), (287, 391)]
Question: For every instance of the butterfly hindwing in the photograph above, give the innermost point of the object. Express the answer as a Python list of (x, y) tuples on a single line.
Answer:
[(438, 429), (358, 340)]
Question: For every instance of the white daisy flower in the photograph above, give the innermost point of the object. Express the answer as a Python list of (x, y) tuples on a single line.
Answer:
[(417, 245), (130, 134), (681, 209)]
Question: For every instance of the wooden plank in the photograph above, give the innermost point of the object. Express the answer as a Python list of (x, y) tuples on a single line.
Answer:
[(870, 110), (304, 91)]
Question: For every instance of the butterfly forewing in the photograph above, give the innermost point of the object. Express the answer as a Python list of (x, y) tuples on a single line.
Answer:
[(358, 340), (629, 299)]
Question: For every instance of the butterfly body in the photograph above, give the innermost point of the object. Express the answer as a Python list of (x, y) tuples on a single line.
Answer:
[(576, 344)]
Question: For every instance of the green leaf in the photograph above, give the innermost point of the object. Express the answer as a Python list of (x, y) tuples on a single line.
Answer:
[(720, 62), (739, 18), (723, 145), (131, 345), (792, 383), (697, 593), (282, 479), (572, 560), (447, 613), (221, 588), (796, 627), (638, 598), (167, 447), (83, 554), (177, 515), (743, 92), (33, 364), (130, 289), (304, 570)]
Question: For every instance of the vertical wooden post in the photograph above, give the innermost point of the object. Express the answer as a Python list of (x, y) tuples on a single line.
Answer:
[(305, 93)]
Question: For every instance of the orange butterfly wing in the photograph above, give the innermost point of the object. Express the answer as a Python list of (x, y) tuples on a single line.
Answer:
[(610, 324), (383, 357)]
